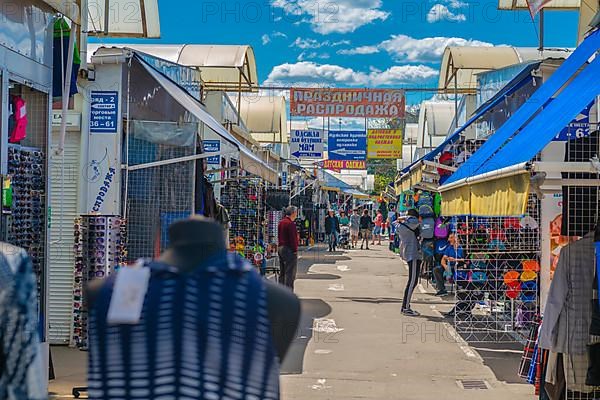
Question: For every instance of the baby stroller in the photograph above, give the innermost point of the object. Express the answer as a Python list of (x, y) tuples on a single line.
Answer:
[(344, 239)]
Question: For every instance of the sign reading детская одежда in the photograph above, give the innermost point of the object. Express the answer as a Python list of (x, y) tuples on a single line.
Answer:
[(351, 103)]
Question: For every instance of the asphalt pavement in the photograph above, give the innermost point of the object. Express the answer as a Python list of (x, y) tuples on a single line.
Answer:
[(354, 343)]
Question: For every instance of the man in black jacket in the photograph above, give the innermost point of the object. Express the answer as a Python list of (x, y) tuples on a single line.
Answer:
[(332, 229), (366, 226)]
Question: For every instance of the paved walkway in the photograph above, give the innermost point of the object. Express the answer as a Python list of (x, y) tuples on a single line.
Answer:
[(355, 344)]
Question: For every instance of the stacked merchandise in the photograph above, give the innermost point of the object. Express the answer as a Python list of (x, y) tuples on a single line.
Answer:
[(26, 228), (273, 219), (497, 287), (100, 249), (245, 203)]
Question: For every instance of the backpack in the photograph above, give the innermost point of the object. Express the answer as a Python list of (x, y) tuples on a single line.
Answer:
[(442, 230), (17, 121), (425, 199), (427, 228), (416, 231), (437, 204), (426, 211)]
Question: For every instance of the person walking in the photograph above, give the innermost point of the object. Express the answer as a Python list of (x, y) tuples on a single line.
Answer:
[(332, 229), (354, 228), (378, 228), (288, 247), (391, 218), (365, 228), (408, 229), (344, 220)]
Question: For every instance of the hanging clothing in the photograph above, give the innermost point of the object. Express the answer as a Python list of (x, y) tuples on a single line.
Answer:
[(22, 374), (62, 33), (568, 312), (202, 335)]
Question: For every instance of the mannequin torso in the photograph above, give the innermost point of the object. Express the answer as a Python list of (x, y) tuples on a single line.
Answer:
[(195, 240)]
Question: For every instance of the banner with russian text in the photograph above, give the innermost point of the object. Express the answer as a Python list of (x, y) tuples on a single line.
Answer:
[(384, 143), (350, 103), (338, 165)]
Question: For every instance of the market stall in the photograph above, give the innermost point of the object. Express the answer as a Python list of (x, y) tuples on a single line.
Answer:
[(541, 158)]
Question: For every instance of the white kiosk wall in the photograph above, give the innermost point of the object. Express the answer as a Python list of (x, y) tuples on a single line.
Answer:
[(103, 125)]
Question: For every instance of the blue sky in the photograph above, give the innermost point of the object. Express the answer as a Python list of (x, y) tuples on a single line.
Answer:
[(375, 43)]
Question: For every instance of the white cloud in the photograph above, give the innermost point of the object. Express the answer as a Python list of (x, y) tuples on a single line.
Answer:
[(359, 50), (440, 12), (307, 55), (455, 3), (408, 49), (307, 43), (402, 74), (340, 16), (266, 39), (310, 43), (313, 74)]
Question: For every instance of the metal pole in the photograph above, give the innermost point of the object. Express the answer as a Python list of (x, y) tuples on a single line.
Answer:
[(541, 23), (456, 100)]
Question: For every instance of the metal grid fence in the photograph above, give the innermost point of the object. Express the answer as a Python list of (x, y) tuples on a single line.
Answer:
[(497, 288), (156, 195)]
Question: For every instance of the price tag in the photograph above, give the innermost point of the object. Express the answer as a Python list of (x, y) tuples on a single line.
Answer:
[(129, 292)]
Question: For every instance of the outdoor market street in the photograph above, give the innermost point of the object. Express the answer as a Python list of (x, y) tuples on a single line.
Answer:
[(362, 347)]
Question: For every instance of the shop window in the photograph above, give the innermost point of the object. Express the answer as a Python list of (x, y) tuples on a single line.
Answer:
[(24, 218)]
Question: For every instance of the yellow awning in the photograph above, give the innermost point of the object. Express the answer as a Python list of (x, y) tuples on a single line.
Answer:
[(503, 197), (330, 189), (416, 176), (456, 202), (398, 187)]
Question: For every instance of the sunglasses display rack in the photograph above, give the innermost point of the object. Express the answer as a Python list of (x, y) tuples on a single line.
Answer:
[(273, 219), (100, 249), (245, 202), (497, 287), (26, 167)]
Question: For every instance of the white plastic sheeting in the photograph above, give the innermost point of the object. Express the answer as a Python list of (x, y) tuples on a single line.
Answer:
[(553, 4), (69, 9), (462, 64), (223, 67), (250, 161), (265, 117)]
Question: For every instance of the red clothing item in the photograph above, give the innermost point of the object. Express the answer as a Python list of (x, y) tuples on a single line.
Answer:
[(288, 234)]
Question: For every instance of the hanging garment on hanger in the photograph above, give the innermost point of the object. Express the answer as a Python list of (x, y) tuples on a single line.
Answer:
[(22, 374), (568, 312), (205, 334)]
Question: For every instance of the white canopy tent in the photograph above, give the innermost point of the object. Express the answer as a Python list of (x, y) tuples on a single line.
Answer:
[(228, 68), (125, 18), (265, 117)]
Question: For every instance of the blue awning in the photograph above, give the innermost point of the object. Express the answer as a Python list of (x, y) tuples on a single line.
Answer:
[(555, 116), (515, 84), (527, 111), (331, 181)]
